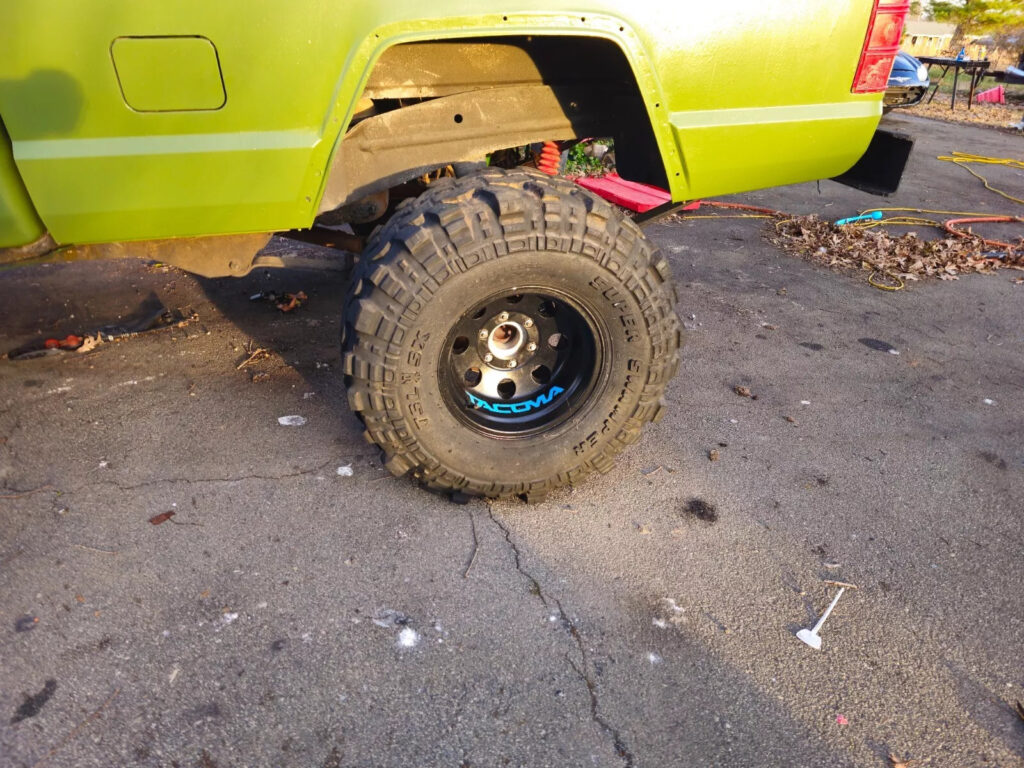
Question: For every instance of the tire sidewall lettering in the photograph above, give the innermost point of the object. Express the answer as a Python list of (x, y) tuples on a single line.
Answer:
[(619, 298)]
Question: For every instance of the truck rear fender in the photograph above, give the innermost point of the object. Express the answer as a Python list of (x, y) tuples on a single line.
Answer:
[(428, 102)]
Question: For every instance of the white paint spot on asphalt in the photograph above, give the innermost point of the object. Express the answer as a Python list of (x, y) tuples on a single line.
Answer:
[(291, 421), (408, 638), (805, 402), (660, 623), (58, 390), (134, 382), (174, 675), (345, 471), (229, 617), (307, 395), (104, 464), (894, 351), (989, 401), (654, 658), (672, 604)]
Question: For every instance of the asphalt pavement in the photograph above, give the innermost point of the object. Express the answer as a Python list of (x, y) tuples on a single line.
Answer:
[(303, 608)]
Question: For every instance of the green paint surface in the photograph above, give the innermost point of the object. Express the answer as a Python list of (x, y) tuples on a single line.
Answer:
[(742, 94), (168, 74), (19, 223)]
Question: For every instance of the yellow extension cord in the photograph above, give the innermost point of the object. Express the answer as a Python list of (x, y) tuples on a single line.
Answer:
[(963, 158), (960, 159)]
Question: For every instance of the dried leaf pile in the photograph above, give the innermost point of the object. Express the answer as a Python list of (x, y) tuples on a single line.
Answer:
[(991, 115), (907, 257)]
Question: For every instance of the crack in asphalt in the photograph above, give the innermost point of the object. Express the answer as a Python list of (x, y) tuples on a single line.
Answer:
[(582, 669), (190, 480)]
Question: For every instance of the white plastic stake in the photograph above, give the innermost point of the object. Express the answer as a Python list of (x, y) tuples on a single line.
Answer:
[(811, 636)]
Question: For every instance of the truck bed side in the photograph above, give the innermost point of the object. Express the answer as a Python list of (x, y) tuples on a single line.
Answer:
[(740, 94)]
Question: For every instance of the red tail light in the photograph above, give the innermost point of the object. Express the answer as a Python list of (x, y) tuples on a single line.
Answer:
[(880, 45)]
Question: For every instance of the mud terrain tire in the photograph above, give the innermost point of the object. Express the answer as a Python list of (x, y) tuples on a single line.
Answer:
[(490, 253)]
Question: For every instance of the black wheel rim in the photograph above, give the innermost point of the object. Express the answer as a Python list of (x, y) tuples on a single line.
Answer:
[(519, 363)]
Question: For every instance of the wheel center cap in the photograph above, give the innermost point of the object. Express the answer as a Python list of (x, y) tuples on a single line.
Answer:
[(505, 341)]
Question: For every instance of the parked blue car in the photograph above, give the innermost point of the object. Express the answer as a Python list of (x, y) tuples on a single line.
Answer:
[(908, 82)]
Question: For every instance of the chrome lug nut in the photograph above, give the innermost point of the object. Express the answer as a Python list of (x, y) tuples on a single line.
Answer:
[(488, 357), (503, 316), (528, 323), (531, 347), (511, 363), (483, 333)]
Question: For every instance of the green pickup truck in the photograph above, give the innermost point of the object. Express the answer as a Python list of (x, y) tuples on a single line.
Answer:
[(506, 332)]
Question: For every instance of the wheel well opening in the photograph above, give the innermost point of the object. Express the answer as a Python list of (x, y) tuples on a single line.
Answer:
[(433, 103)]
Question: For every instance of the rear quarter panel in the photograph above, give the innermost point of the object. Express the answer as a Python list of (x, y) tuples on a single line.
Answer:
[(741, 94), (759, 91), (19, 223)]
